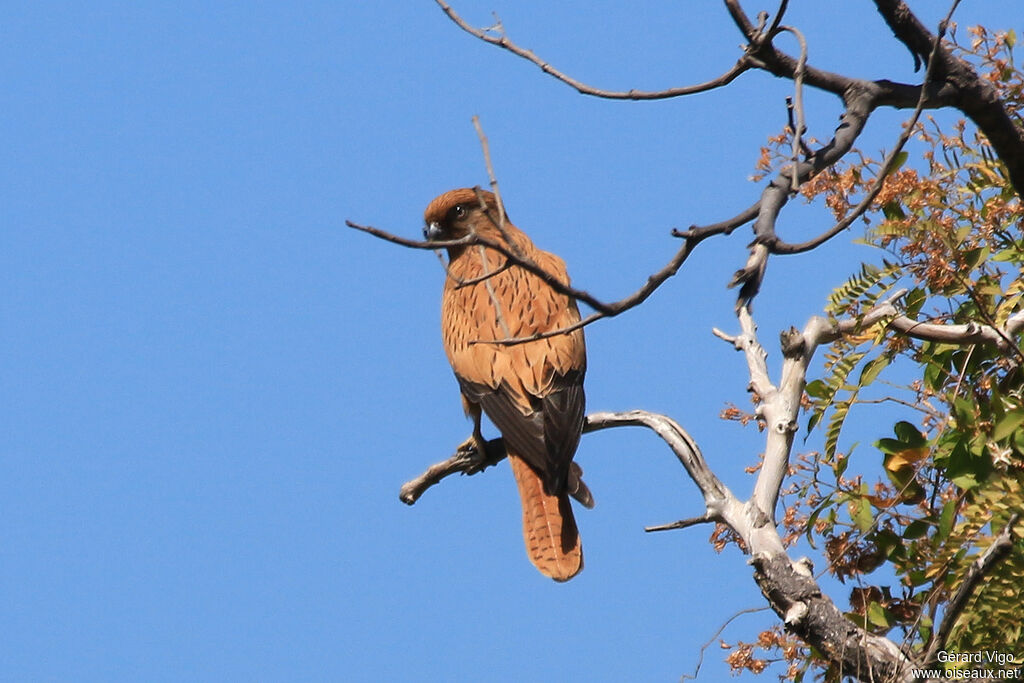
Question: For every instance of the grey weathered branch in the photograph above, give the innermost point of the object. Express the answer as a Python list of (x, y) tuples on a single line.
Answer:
[(467, 459), (790, 586), (682, 523), (961, 334), (969, 333)]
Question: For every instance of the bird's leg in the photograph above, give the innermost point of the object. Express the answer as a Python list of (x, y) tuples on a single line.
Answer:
[(480, 452)]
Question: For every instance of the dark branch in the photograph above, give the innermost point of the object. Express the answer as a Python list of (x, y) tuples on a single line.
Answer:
[(781, 247), (725, 227), (1000, 548), (860, 103), (603, 310), (963, 88), (501, 40), (550, 278), (412, 244), (613, 309)]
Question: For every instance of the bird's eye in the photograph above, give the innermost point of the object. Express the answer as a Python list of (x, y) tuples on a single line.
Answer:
[(459, 211)]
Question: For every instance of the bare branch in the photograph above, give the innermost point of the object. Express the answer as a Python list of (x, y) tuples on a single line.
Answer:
[(467, 459), (860, 102), (413, 244), (490, 291), (1000, 548), (725, 227), (798, 101), (682, 524), (969, 333), (681, 443), (550, 278), (501, 40), (780, 247), (493, 179), (613, 309), (821, 331), (962, 88), (713, 638)]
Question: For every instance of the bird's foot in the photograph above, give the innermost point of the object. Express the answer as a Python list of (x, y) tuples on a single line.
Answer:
[(479, 454)]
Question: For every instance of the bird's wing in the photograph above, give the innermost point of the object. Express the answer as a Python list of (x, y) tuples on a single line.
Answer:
[(533, 392)]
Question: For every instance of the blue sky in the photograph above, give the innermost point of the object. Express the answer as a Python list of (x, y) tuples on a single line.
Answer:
[(213, 389)]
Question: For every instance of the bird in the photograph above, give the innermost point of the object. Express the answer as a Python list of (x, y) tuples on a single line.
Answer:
[(532, 391)]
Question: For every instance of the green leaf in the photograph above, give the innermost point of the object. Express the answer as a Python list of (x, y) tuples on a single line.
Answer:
[(917, 577), (877, 615), (972, 257), (966, 481), (1011, 38), (860, 512), (842, 463), (909, 434), (897, 162), (946, 518), (1008, 424), (872, 368), (817, 389), (1008, 254), (893, 211), (914, 301), (915, 529)]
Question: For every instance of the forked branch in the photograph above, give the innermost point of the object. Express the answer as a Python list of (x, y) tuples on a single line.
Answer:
[(496, 36)]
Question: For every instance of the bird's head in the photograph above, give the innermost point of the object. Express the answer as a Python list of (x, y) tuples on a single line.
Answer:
[(457, 213)]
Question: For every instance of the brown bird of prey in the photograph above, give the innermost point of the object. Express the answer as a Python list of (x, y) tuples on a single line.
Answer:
[(533, 391)]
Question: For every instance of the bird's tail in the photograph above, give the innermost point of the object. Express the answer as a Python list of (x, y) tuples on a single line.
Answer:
[(549, 528)]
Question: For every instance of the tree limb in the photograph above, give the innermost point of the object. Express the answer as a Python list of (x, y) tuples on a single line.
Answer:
[(602, 309), (502, 40), (1000, 548), (968, 92), (780, 247)]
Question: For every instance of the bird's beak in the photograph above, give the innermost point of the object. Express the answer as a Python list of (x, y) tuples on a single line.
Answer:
[(431, 231)]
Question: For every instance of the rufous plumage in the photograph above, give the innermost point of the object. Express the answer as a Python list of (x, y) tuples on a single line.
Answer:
[(531, 391)]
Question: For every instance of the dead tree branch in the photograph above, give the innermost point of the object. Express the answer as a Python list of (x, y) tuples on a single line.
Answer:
[(790, 586), (780, 247), (500, 39), (963, 88), (602, 309)]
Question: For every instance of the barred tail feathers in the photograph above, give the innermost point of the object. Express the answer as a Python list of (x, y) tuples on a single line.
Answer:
[(549, 528)]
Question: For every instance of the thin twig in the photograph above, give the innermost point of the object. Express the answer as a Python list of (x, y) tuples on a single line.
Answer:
[(551, 279), (683, 523), (613, 309), (502, 40), (798, 103), (490, 291), (724, 227), (700, 657), (493, 179), (780, 247)]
